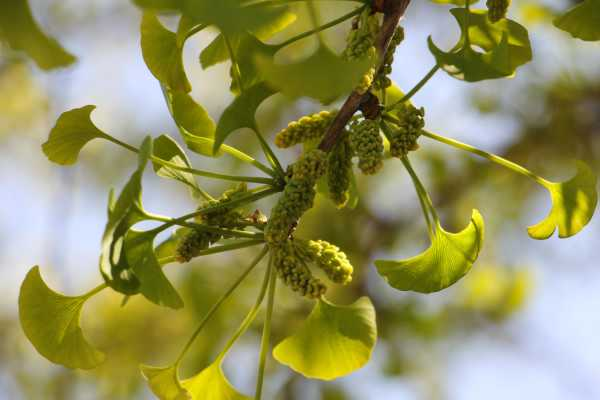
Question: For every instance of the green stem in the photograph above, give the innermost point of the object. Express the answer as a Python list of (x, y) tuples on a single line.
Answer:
[(424, 198), (264, 345), (492, 157), (321, 28), (221, 300), (225, 248), (249, 317), (314, 17), (269, 154), (94, 291), (417, 87), (237, 75)]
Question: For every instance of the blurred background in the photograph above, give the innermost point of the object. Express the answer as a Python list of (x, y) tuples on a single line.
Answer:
[(523, 324)]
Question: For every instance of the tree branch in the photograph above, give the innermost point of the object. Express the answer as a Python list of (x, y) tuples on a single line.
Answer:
[(393, 10)]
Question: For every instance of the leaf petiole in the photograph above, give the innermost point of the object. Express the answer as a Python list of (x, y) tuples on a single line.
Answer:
[(266, 335), (417, 87)]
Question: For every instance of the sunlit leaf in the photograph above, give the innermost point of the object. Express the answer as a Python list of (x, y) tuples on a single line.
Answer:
[(154, 285), (241, 112), (333, 341), (164, 383), (167, 149), (162, 54), (123, 213), (158, 5), (193, 122), (505, 46), (248, 48), (582, 21), (211, 384), (573, 205), (73, 130), (449, 258), (51, 323), (323, 76), (19, 29)]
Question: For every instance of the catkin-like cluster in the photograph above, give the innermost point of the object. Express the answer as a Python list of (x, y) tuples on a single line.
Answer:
[(381, 80), (367, 143), (365, 81), (330, 259), (298, 196), (307, 128), (404, 138), (196, 240), (497, 9), (360, 41), (290, 262), (339, 169)]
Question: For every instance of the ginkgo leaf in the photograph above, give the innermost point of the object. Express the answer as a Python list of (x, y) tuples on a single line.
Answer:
[(333, 341), (162, 54), (573, 205), (449, 258), (241, 112), (158, 5), (50, 321), (73, 130), (582, 21), (123, 213), (505, 46), (20, 30), (164, 382), (193, 122), (167, 149), (154, 285), (323, 76), (211, 384)]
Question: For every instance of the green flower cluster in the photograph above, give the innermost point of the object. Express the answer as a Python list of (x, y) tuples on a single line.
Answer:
[(196, 240), (361, 38), (381, 80), (339, 169), (404, 138), (307, 128), (331, 260), (365, 81), (497, 9), (367, 143), (290, 262), (298, 196)]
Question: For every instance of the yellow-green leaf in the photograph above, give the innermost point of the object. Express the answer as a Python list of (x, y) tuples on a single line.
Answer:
[(211, 384), (162, 54), (333, 341), (73, 130), (582, 21), (573, 205), (193, 122), (20, 30), (50, 321), (449, 258), (164, 383), (167, 149)]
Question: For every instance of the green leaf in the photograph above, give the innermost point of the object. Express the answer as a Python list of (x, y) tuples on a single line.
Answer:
[(164, 383), (241, 113), (19, 29), (582, 21), (323, 76), (333, 341), (158, 5), (154, 285), (162, 54), (505, 46), (247, 49), (167, 149), (455, 2), (51, 323), (193, 122), (123, 213), (573, 205), (211, 384), (448, 259), (73, 130)]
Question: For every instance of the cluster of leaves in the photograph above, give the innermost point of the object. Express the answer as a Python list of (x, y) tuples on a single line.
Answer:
[(335, 340)]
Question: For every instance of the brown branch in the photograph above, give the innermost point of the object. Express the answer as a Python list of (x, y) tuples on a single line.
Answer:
[(393, 10)]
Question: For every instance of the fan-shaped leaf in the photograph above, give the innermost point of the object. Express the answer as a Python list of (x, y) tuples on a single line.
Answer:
[(164, 383), (449, 258), (333, 341), (573, 205), (505, 46), (20, 30), (193, 122), (162, 54), (167, 149), (211, 384), (51, 323), (582, 21), (73, 130), (323, 76)]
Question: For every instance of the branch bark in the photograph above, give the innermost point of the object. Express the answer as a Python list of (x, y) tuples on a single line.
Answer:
[(393, 10)]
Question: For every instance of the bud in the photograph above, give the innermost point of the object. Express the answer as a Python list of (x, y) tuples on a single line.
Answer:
[(339, 168), (367, 143), (404, 137)]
